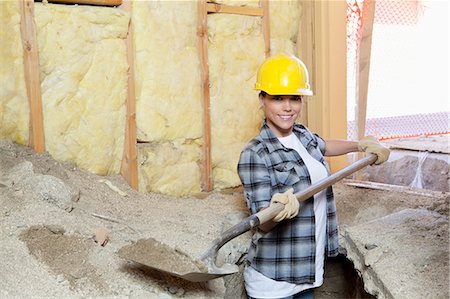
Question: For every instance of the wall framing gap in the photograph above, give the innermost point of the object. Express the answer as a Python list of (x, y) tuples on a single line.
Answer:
[(203, 8)]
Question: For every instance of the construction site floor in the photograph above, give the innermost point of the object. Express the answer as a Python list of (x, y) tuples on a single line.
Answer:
[(53, 216)]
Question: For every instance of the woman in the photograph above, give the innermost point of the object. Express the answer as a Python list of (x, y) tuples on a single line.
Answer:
[(286, 255)]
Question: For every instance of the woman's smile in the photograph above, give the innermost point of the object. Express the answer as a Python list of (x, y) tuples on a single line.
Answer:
[(281, 112)]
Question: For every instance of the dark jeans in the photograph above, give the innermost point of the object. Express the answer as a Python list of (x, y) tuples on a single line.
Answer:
[(306, 294)]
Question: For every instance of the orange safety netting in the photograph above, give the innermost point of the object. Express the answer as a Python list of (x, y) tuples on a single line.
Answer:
[(398, 12), (388, 13)]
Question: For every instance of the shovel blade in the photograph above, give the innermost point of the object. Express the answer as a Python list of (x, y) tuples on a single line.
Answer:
[(162, 258)]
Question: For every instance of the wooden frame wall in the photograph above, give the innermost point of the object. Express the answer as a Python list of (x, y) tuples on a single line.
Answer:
[(203, 8), (32, 80)]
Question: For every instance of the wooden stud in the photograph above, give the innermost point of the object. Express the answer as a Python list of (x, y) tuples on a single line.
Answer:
[(266, 26), (363, 66), (238, 10), (305, 51), (329, 74), (363, 70), (32, 79), (129, 168), (89, 2), (202, 34), (203, 8)]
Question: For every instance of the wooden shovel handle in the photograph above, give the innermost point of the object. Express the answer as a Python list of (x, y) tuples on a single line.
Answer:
[(268, 214)]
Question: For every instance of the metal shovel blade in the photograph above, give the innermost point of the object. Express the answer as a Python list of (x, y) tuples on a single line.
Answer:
[(163, 258)]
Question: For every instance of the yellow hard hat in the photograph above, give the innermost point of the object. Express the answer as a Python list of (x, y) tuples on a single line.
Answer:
[(283, 75)]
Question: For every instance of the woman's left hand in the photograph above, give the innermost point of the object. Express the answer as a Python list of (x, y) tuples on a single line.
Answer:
[(370, 144)]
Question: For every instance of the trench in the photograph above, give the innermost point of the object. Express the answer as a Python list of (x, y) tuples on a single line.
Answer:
[(341, 281)]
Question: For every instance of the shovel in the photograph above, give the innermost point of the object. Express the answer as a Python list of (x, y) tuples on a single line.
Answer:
[(162, 258)]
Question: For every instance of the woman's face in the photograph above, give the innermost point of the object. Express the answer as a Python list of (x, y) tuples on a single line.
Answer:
[(281, 112)]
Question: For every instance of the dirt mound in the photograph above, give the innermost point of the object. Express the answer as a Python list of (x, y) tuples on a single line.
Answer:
[(50, 212)]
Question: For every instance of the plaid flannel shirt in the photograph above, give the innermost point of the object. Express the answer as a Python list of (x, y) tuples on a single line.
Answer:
[(266, 167)]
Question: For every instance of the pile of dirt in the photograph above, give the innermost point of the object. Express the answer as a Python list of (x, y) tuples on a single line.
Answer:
[(50, 213)]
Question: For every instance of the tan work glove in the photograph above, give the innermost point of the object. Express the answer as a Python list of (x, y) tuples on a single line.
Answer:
[(370, 144), (291, 205)]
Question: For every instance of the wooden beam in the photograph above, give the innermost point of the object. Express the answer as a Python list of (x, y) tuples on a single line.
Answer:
[(305, 49), (202, 34), (362, 72), (88, 2), (266, 26), (363, 66), (129, 168), (327, 111), (32, 80), (238, 10), (396, 188)]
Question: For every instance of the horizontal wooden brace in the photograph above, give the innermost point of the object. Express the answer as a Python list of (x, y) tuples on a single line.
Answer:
[(238, 10), (88, 2)]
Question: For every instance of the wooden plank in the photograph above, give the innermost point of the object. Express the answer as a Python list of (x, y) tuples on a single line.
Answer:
[(238, 10), (129, 168), (362, 72), (329, 103), (32, 79), (396, 188), (363, 66), (202, 33), (266, 26), (305, 45), (87, 2)]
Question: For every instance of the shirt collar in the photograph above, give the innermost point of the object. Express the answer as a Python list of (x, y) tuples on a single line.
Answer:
[(272, 142)]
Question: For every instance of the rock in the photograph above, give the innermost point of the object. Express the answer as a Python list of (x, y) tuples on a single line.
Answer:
[(20, 172), (101, 236), (51, 189)]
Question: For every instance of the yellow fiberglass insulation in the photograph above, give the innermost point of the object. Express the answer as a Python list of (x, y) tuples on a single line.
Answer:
[(174, 167), (83, 71), (14, 108), (236, 49), (168, 96)]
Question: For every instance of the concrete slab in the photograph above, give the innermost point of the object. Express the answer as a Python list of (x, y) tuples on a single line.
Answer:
[(402, 255), (434, 144)]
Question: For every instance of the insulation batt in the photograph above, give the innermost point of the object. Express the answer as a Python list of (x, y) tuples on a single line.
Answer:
[(14, 108), (168, 96), (236, 49), (83, 71)]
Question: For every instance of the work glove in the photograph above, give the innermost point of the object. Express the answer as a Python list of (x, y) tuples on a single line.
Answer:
[(370, 144), (291, 205)]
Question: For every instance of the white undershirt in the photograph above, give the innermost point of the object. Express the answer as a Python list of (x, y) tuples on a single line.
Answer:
[(259, 286)]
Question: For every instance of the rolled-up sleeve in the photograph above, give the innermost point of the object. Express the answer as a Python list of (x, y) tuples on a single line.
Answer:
[(321, 143), (255, 178)]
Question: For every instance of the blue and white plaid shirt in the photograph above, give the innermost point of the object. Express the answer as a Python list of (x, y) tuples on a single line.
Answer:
[(266, 167)]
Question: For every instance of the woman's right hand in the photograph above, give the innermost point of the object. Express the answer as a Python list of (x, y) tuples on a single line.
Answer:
[(291, 205)]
